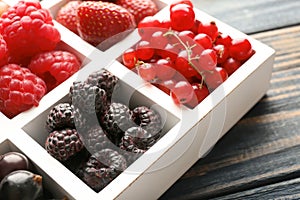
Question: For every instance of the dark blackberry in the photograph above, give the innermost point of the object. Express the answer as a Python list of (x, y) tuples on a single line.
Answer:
[(95, 139), (101, 168), (88, 98), (148, 119), (105, 80), (60, 116), (137, 140), (116, 120), (62, 144)]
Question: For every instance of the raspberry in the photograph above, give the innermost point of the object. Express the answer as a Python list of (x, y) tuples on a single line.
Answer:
[(116, 120), (105, 80), (54, 66), (3, 52), (28, 29), (19, 89), (101, 168), (60, 116), (63, 144)]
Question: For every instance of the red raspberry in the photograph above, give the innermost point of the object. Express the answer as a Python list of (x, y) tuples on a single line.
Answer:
[(54, 67), (19, 89), (3, 52), (28, 29)]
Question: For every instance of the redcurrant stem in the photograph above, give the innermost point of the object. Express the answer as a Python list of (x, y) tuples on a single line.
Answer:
[(189, 52)]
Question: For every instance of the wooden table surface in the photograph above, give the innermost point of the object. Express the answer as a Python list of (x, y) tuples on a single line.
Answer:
[(259, 158)]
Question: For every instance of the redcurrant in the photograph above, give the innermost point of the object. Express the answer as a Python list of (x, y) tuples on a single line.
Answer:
[(144, 51), (182, 92), (222, 53), (147, 71), (158, 40), (164, 69), (208, 60), (147, 26), (200, 93), (209, 28), (240, 49), (175, 2), (215, 77), (223, 39), (129, 58), (203, 40), (182, 17), (231, 65)]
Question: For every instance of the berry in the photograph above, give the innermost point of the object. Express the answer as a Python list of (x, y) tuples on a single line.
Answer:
[(231, 65), (116, 120), (144, 50), (200, 93), (103, 21), (88, 98), (28, 30), (54, 67), (137, 140), (147, 71), (60, 116), (208, 60), (101, 168), (215, 77), (203, 40), (223, 39), (147, 119), (3, 52), (67, 15), (209, 28), (164, 69), (129, 58), (182, 92), (175, 2), (158, 40), (222, 53), (19, 90), (182, 64), (240, 49), (147, 26), (105, 80), (21, 184), (95, 139), (182, 17), (12, 161), (62, 144), (139, 8)]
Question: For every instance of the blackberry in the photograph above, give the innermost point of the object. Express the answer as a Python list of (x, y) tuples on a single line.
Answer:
[(116, 120), (148, 119), (137, 140), (95, 139), (88, 98), (101, 168), (62, 144), (105, 80), (60, 116)]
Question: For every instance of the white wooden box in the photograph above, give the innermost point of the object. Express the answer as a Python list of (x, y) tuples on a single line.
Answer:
[(189, 133)]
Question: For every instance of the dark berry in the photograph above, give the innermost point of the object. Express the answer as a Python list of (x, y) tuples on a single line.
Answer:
[(21, 184), (148, 119), (60, 116), (87, 98), (12, 161), (101, 168), (116, 120), (62, 144), (104, 80)]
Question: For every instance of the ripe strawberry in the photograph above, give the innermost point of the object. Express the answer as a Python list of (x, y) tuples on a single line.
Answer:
[(67, 15), (54, 67), (103, 21), (3, 52), (19, 89), (139, 8), (28, 29)]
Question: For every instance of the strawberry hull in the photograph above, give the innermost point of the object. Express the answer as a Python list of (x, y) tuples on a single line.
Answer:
[(188, 134)]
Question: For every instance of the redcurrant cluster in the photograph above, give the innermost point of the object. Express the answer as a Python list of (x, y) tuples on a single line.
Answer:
[(183, 56)]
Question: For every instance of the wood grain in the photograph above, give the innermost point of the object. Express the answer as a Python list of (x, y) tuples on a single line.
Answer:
[(255, 15), (262, 150)]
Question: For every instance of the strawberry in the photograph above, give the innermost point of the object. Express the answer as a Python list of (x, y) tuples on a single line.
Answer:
[(67, 15), (139, 8), (103, 22)]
